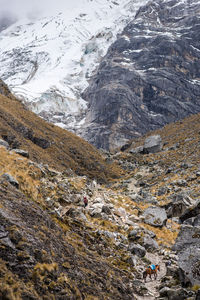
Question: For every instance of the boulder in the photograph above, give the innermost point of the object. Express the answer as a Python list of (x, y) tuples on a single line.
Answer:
[(150, 244), (106, 209), (134, 235), (191, 212), (10, 179), (152, 144), (21, 152), (4, 144), (137, 250), (198, 295), (187, 246), (172, 270), (174, 293), (76, 214), (139, 288), (155, 216), (120, 212), (178, 205), (138, 149)]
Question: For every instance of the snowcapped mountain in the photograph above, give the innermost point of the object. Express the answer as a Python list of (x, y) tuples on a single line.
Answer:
[(47, 61), (149, 77)]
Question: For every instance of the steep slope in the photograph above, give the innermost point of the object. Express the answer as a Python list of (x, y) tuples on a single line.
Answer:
[(51, 247), (46, 143), (48, 60), (149, 77)]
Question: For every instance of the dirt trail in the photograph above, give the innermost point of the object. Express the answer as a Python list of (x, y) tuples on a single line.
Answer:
[(152, 285)]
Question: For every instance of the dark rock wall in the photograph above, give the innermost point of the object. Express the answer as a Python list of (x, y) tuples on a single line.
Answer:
[(149, 77)]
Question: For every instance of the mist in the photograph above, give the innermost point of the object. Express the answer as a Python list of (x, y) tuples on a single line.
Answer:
[(22, 8)]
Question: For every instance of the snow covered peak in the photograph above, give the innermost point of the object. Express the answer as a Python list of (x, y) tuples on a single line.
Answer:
[(47, 62)]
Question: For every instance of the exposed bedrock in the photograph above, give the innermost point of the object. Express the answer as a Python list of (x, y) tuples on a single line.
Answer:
[(149, 77)]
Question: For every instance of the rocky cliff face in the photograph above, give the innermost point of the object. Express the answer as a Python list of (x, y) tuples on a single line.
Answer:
[(149, 77)]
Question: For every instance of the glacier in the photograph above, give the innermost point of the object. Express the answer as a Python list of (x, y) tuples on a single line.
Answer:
[(47, 60)]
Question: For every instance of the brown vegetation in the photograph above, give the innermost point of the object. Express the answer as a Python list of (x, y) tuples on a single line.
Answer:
[(49, 144)]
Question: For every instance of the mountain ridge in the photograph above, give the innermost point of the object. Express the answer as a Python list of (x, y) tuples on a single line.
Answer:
[(149, 76), (47, 61)]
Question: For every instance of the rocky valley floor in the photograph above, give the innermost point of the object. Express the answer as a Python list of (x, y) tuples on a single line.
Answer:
[(143, 208)]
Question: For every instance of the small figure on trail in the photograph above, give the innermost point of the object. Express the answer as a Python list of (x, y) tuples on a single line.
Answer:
[(151, 270), (85, 201)]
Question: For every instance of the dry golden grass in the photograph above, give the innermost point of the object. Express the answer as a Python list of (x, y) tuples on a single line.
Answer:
[(66, 150), (165, 236)]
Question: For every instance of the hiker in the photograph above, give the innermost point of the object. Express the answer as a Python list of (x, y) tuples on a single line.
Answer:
[(85, 200)]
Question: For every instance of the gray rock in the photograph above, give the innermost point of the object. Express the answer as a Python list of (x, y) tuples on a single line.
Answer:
[(76, 213), (162, 191), (187, 246), (10, 179), (4, 144), (139, 287), (134, 235), (137, 250), (21, 152), (192, 211), (155, 216), (198, 295), (133, 260), (106, 209), (174, 293), (150, 244), (180, 202), (143, 70), (139, 149), (153, 144), (173, 271)]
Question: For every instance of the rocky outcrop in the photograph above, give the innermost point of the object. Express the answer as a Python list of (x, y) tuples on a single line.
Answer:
[(187, 246), (9, 178), (155, 216), (4, 144), (149, 77), (152, 144)]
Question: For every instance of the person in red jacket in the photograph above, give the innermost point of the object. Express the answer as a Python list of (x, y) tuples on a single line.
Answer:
[(85, 200)]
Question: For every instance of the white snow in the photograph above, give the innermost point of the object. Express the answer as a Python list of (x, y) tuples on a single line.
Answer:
[(47, 62)]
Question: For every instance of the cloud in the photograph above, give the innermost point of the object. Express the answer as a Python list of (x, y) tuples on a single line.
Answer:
[(22, 8)]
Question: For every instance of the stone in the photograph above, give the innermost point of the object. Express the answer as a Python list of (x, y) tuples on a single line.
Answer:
[(174, 293), (192, 211), (134, 235), (106, 209), (137, 250), (21, 152), (187, 246), (10, 179), (198, 295), (155, 216), (139, 287), (152, 144), (4, 144), (162, 191), (138, 149), (150, 244), (121, 212), (75, 214), (172, 270)]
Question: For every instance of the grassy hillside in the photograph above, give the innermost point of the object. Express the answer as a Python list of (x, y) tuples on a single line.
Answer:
[(47, 143), (51, 247)]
